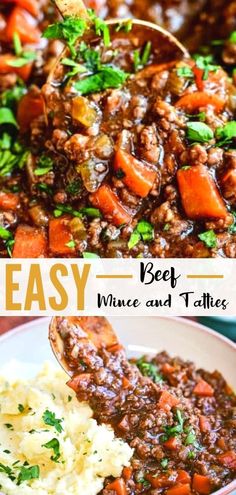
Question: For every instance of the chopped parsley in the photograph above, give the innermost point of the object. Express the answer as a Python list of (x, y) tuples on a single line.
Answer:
[(232, 38), (88, 255), (143, 231), (232, 228), (23, 57), (12, 154), (164, 463), (85, 211), (226, 134), (21, 408), (28, 473), (149, 369), (142, 60), (209, 238), (7, 236), (55, 446), (74, 187), (174, 430), (9, 426), (91, 212), (8, 471), (68, 30), (100, 26), (50, 419), (199, 132), (185, 71), (71, 244), (125, 26), (44, 165), (206, 63), (10, 97), (7, 117), (106, 77)]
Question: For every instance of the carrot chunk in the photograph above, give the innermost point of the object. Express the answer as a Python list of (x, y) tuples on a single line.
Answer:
[(228, 459), (29, 243), (108, 202), (137, 176), (162, 481), (167, 368), (127, 473), (21, 22), (8, 201), (204, 424), (117, 486), (201, 484), (200, 99), (171, 444), (179, 490), (5, 68), (199, 194), (183, 477), (79, 380), (167, 401), (30, 107), (30, 5), (60, 236), (203, 389)]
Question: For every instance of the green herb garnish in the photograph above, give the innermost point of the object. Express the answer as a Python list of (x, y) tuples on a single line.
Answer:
[(44, 165), (143, 231), (226, 134), (185, 71), (55, 446), (206, 64), (28, 473), (21, 408), (107, 77), (149, 369), (175, 430), (199, 132), (209, 238), (50, 419), (68, 30), (88, 255), (142, 60)]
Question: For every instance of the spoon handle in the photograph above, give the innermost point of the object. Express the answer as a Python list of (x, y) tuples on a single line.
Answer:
[(75, 8)]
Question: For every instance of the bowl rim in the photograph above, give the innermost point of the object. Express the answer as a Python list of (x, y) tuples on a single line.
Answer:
[(226, 490)]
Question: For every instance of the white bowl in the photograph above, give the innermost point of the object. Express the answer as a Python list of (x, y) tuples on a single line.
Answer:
[(178, 336)]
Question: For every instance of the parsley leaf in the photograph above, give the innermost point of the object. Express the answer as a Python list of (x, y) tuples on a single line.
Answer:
[(226, 134), (232, 38), (69, 30), (55, 446), (28, 473), (143, 231), (199, 132), (175, 430), (232, 228), (107, 77), (50, 419), (142, 60), (44, 165), (7, 117), (185, 71), (149, 369), (88, 255), (206, 64), (100, 27), (209, 238)]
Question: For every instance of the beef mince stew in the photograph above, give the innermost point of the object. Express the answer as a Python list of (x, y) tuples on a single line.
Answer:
[(179, 420), (118, 154)]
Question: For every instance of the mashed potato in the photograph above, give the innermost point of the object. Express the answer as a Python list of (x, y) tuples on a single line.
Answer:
[(49, 442)]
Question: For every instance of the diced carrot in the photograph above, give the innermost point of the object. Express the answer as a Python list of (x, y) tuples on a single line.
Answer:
[(222, 443), (59, 236), (229, 183), (8, 201), (79, 380), (201, 484), (161, 481), (228, 459), (125, 382), (29, 108), (183, 477), (171, 444), (200, 99), (167, 368), (115, 348), (127, 473), (137, 176), (21, 22), (30, 242), (199, 194), (203, 389), (108, 202), (30, 5), (179, 490), (167, 401), (23, 72), (204, 424), (117, 486), (198, 76)]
